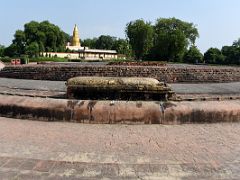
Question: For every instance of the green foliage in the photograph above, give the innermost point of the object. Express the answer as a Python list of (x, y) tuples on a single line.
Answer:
[(193, 55), (172, 38), (38, 37), (91, 43), (20, 42), (2, 48), (232, 54), (105, 42), (140, 35), (11, 51), (32, 50), (167, 40), (122, 47), (229, 55), (6, 59), (236, 43), (48, 59), (214, 56)]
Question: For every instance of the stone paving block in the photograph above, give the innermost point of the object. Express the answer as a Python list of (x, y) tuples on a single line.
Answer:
[(176, 170), (109, 170), (158, 168), (68, 168), (197, 177), (32, 176), (13, 163), (60, 177), (92, 170), (8, 174), (127, 171), (3, 160), (28, 164), (43, 166), (190, 168), (234, 168)]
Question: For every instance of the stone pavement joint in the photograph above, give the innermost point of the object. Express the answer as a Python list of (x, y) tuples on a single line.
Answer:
[(22, 168)]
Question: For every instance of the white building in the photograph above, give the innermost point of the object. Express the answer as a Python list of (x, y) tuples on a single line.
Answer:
[(83, 52)]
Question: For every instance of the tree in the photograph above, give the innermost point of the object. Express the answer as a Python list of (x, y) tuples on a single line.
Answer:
[(33, 49), (122, 47), (11, 51), (2, 48), (20, 42), (236, 43), (105, 42), (172, 38), (214, 56), (108, 42), (193, 55), (140, 36), (232, 54), (91, 43), (40, 37)]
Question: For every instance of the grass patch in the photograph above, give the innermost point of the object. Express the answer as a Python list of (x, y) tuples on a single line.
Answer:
[(47, 59)]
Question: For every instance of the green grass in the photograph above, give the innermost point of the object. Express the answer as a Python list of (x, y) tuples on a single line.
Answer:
[(46, 59)]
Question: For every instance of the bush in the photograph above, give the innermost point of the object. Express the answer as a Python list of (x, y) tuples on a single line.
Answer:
[(6, 59), (193, 55)]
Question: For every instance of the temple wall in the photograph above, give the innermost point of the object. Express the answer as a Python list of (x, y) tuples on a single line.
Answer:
[(62, 55), (86, 55), (170, 74)]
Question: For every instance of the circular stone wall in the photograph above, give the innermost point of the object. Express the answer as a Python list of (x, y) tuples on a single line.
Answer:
[(168, 73)]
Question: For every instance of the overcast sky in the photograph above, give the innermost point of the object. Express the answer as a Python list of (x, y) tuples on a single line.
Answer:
[(218, 21)]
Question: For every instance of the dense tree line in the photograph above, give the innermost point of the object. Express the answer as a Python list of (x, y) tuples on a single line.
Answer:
[(37, 37), (169, 39), (108, 42), (227, 55)]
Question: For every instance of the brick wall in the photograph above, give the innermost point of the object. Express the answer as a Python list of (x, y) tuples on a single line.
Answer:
[(169, 73)]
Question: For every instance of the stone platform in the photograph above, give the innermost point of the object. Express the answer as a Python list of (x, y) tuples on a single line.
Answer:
[(114, 88), (47, 101), (171, 73)]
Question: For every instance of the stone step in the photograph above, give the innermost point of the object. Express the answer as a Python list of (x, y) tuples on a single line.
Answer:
[(119, 112)]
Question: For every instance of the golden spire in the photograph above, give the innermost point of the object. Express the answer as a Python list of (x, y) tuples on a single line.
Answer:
[(75, 38)]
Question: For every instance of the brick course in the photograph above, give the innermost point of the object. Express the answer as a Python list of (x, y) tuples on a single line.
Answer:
[(169, 74)]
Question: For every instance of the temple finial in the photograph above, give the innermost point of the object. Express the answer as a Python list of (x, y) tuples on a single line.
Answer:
[(75, 38)]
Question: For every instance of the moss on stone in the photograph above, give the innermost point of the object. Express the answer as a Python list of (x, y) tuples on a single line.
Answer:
[(117, 88)]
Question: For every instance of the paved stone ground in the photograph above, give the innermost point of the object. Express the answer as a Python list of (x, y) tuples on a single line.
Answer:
[(43, 150), (208, 88)]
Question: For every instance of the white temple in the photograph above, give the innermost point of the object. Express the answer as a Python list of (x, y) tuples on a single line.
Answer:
[(84, 53)]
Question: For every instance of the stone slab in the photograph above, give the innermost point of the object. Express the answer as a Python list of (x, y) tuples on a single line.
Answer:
[(117, 88)]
